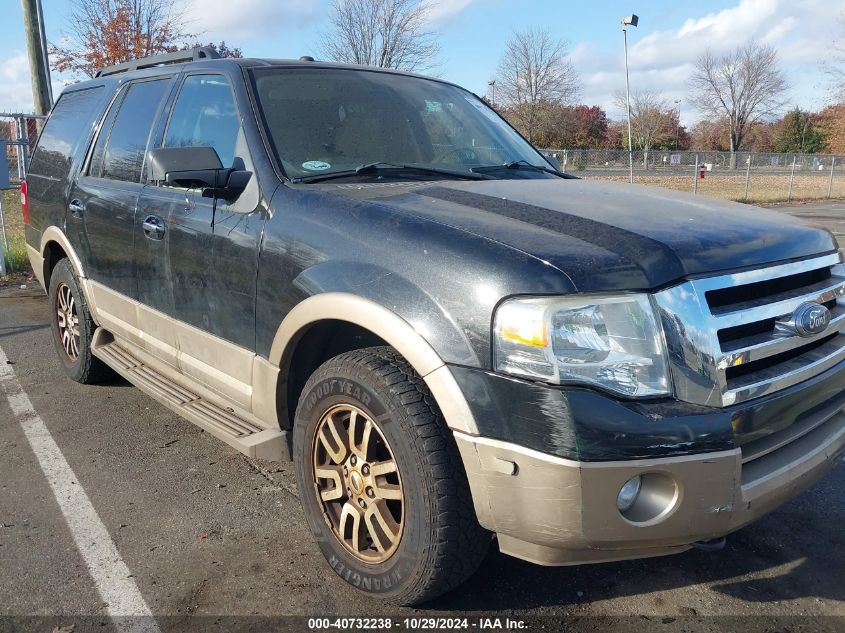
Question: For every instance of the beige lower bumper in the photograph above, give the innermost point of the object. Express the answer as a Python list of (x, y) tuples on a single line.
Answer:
[(555, 511)]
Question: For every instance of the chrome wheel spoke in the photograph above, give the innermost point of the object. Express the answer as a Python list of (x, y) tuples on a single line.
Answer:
[(354, 420), (383, 468), (392, 492), (365, 441), (381, 526), (361, 450), (331, 436), (333, 474), (350, 525)]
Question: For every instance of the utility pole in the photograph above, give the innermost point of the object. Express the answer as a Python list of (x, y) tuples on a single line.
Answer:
[(43, 32), (631, 20), (38, 64)]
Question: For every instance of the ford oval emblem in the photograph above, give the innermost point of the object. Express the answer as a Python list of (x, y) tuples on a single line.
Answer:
[(810, 319)]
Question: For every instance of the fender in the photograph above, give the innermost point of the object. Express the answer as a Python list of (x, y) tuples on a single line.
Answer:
[(394, 330), (38, 261)]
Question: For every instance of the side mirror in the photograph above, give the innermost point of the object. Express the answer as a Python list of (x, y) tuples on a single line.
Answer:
[(232, 184), (196, 167), (553, 161)]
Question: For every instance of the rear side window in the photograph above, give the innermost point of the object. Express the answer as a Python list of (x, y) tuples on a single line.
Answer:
[(68, 127), (126, 144), (205, 115), (95, 166)]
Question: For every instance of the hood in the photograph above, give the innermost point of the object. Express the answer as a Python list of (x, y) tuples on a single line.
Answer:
[(607, 235)]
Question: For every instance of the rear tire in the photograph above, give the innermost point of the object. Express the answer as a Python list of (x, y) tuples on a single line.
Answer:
[(73, 327), (415, 536)]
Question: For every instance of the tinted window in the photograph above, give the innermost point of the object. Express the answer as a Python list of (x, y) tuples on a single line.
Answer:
[(127, 142), (205, 116), (68, 126), (95, 167)]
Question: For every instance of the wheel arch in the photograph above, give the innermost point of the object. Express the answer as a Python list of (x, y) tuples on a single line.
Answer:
[(54, 246), (375, 324)]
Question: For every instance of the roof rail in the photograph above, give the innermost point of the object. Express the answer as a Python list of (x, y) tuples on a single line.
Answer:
[(189, 55)]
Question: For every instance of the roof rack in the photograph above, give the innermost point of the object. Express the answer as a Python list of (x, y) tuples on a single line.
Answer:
[(189, 55)]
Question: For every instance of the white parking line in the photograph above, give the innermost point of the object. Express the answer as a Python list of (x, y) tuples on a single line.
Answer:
[(111, 575)]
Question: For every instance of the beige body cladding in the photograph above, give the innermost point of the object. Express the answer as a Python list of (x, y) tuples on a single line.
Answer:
[(544, 509)]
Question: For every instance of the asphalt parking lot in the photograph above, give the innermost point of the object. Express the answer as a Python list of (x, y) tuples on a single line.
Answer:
[(207, 539)]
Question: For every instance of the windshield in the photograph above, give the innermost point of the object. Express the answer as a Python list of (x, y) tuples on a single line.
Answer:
[(323, 121)]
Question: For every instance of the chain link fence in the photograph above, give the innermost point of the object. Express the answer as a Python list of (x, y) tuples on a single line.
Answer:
[(18, 133), (745, 176)]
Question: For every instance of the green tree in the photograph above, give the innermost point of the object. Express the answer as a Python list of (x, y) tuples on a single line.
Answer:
[(798, 133)]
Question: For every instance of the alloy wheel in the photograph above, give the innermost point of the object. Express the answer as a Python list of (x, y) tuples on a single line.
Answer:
[(358, 483), (68, 321)]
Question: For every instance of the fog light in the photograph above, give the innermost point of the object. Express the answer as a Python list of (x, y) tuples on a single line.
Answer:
[(628, 494)]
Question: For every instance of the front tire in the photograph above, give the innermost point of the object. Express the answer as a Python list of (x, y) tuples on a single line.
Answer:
[(73, 327), (381, 481)]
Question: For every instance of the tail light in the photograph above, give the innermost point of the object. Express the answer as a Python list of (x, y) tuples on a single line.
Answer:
[(24, 203)]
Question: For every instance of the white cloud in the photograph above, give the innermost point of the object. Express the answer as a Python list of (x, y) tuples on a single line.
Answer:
[(15, 89), (441, 10), (764, 20), (238, 21), (15, 86), (801, 31), (14, 68)]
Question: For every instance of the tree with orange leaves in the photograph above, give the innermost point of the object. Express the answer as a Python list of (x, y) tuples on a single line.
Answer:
[(831, 121), (107, 32)]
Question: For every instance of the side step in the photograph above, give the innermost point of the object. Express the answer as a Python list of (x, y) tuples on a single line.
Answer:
[(246, 436)]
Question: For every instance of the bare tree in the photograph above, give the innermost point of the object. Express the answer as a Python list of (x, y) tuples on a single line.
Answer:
[(106, 32), (746, 85), (650, 119), (382, 33), (534, 76)]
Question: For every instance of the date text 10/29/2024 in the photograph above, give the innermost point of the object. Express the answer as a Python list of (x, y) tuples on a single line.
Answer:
[(416, 624)]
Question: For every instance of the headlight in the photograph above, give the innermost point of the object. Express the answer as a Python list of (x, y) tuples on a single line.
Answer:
[(612, 342)]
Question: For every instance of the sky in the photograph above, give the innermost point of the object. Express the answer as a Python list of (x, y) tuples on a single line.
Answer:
[(472, 35)]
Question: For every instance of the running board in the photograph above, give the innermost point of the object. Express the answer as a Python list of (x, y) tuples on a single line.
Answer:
[(222, 422)]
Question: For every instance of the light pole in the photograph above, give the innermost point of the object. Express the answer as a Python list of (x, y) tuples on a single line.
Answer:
[(631, 20), (492, 84), (678, 123)]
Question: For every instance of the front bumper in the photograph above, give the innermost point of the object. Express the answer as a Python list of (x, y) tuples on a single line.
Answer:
[(557, 510)]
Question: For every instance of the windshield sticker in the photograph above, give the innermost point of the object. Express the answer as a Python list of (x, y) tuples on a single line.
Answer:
[(316, 165)]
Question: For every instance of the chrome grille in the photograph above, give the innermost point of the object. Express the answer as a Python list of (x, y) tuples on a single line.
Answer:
[(720, 331)]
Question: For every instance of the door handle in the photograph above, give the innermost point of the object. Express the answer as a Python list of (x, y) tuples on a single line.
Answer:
[(76, 208), (153, 227)]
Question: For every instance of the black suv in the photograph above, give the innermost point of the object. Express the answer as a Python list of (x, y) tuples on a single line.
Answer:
[(371, 272)]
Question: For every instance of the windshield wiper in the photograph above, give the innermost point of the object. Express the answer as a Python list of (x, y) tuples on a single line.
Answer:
[(374, 169), (522, 164)]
